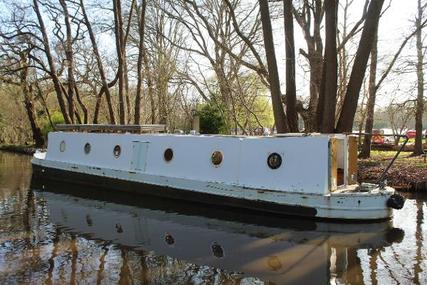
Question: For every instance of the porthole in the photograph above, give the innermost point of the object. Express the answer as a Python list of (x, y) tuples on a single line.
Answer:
[(169, 239), (274, 263), (62, 146), (216, 158), (168, 154), (87, 148), (117, 150), (217, 250), (274, 160)]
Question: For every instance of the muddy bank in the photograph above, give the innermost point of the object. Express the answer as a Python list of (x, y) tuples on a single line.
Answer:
[(407, 173), (21, 149)]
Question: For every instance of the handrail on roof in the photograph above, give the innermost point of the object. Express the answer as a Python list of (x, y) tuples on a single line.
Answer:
[(107, 128)]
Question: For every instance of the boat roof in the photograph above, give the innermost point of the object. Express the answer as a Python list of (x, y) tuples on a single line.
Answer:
[(108, 128), (160, 129)]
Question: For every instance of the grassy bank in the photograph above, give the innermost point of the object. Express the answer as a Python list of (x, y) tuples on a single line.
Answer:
[(407, 172)]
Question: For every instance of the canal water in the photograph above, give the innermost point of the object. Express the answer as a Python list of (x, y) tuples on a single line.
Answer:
[(57, 234)]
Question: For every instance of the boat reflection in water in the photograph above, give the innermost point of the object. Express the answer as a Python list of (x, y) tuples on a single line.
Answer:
[(277, 249)]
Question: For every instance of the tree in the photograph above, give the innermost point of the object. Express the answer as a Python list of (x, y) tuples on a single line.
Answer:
[(69, 55), (105, 86), (211, 120), (141, 55), (418, 150), (121, 49), (328, 91), (370, 106), (226, 37), (374, 87), (291, 96), (273, 75), (52, 66), (309, 17), (345, 121), (399, 115)]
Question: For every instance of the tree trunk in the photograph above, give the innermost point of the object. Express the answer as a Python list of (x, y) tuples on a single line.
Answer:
[(118, 31), (139, 87), (290, 68), (52, 67), (28, 104), (69, 58), (69, 54), (329, 82), (345, 121), (273, 75), (310, 21), (150, 87), (101, 72), (370, 107), (420, 85), (125, 63)]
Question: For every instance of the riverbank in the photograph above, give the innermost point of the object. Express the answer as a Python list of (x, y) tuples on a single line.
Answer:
[(407, 173), (21, 149)]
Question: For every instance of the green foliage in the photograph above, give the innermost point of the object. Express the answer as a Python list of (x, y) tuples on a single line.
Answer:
[(211, 120), (259, 107), (57, 118)]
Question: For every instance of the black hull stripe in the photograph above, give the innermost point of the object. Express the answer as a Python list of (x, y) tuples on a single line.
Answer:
[(165, 191)]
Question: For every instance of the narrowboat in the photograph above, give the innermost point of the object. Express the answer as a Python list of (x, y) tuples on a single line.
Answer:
[(307, 175)]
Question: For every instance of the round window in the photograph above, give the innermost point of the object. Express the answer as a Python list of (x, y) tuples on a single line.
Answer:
[(117, 150), (216, 158), (169, 239), (87, 148), (274, 160), (217, 250), (168, 154), (62, 146)]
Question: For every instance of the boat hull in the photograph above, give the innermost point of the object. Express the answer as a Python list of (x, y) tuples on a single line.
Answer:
[(352, 207)]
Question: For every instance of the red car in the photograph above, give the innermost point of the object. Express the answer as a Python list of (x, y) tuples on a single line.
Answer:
[(377, 136)]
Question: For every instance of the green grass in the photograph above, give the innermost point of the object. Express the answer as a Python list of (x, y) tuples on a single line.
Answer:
[(404, 158)]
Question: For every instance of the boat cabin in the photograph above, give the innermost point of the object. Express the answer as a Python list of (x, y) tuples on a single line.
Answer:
[(299, 163)]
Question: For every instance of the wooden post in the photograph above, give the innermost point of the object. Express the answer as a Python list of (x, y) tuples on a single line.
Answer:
[(196, 121), (352, 160)]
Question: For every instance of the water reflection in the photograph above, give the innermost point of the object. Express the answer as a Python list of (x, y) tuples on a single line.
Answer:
[(59, 233), (268, 247)]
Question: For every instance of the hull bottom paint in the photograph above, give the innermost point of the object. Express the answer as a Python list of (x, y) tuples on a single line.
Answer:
[(41, 173)]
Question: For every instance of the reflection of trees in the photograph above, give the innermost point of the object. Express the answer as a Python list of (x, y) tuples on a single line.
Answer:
[(100, 271), (36, 251), (419, 242), (386, 265), (373, 264), (72, 259), (347, 267)]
